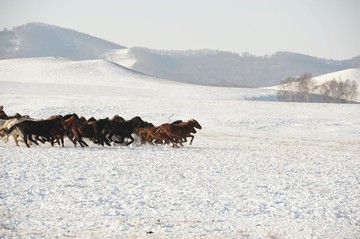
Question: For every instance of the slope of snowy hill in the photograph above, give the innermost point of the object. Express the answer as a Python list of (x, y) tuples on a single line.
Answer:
[(219, 68), (39, 40), (49, 70), (256, 169), (348, 74), (121, 57)]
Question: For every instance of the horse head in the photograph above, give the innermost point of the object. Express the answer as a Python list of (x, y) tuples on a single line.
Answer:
[(195, 123)]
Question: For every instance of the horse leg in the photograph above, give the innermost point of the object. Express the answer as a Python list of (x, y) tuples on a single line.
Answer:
[(131, 140), (120, 141), (107, 142), (15, 139), (78, 138), (40, 139), (175, 145), (31, 139), (58, 140), (71, 138), (83, 143), (26, 140), (101, 141), (109, 137), (52, 141), (192, 138)]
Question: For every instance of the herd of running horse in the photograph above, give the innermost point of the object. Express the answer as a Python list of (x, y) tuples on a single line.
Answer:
[(105, 131)]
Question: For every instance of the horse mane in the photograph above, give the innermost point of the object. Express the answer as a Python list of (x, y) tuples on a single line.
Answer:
[(117, 118), (176, 122), (91, 119)]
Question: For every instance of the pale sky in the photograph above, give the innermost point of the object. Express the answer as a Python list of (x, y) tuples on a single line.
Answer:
[(321, 28)]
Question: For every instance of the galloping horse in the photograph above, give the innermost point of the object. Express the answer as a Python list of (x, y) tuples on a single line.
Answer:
[(177, 133), (47, 129), (96, 130), (6, 124), (125, 129)]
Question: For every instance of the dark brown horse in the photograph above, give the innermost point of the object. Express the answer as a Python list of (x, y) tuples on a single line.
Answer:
[(79, 130), (3, 115), (117, 118), (123, 130), (95, 131), (102, 129)]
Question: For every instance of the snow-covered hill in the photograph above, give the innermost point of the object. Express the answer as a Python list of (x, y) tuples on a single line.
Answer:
[(257, 169), (219, 68), (348, 74), (206, 67), (39, 40), (60, 71)]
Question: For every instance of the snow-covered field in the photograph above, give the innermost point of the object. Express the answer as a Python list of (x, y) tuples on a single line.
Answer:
[(255, 170)]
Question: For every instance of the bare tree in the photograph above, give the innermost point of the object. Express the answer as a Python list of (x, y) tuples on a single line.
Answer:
[(296, 89), (305, 87), (339, 91)]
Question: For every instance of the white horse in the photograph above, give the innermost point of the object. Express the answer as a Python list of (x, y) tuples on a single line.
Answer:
[(6, 124)]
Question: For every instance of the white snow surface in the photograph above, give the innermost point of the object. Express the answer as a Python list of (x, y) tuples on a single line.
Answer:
[(255, 170)]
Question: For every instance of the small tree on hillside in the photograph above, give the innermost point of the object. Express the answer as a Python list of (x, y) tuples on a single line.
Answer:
[(296, 89), (305, 87)]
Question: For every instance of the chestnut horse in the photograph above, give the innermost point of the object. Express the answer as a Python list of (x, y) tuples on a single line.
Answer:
[(177, 133), (96, 131)]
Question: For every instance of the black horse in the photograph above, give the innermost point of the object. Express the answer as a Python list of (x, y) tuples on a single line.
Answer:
[(123, 130), (46, 129)]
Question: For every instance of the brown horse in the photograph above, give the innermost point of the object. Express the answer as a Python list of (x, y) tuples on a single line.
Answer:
[(158, 136), (78, 130), (58, 132), (96, 131), (148, 134), (3, 115), (177, 133)]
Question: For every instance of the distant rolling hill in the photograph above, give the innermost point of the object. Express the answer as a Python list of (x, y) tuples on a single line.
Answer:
[(39, 40), (219, 68), (206, 67), (54, 76)]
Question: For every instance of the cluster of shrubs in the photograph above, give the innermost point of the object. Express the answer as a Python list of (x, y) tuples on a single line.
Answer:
[(304, 89)]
